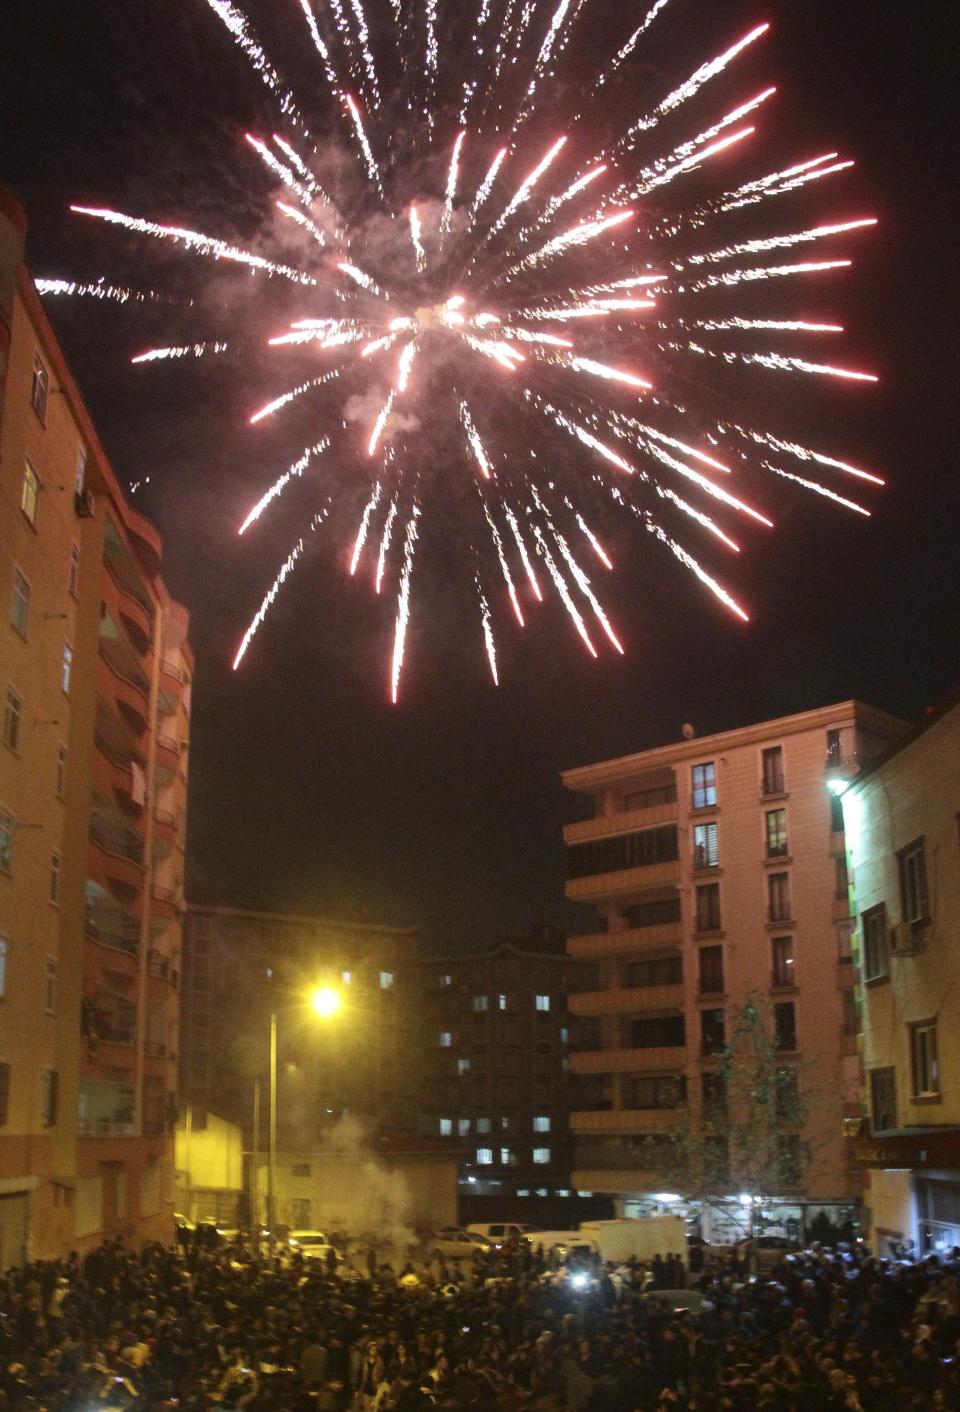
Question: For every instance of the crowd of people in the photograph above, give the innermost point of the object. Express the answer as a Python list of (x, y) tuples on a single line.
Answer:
[(196, 1330)]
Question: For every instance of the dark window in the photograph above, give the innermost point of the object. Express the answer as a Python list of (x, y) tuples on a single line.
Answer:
[(785, 1024), (851, 1016), (924, 1061), (913, 883), (777, 833), (834, 746), (786, 1096), (660, 970), (653, 914), (841, 880), (836, 813), (713, 1088), (705, 846), (773, 782), (659, 1092), (717, 1160), (874, 925), (649, 798), (630, 850), (712, 1034), (790, 1158), (711, 970), (4, 1093), (708, 907), (782, 949), (657, 1032), (883, 1099), (48, 1097), (703, 785), (39, 386), (778, 897)]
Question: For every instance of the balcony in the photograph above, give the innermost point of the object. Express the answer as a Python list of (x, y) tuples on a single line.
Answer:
[(628, 941), (636, 1121), (105, 1109), (108, 924), (113, 738), (626, 1000), (626, 822), (620, 1061), (626, 880), (123, 658)]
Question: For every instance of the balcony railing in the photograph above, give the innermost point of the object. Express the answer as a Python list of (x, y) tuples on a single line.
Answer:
[(104, 936), (128, 847), (164, 894), (168, 742), (171, 669), (165, 816), (105, 1127)]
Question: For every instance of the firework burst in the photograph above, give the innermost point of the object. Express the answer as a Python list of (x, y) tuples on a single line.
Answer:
[(514, 275)]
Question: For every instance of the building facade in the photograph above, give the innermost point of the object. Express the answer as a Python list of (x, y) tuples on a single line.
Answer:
[(95, 668), (903, 835), (717, 867), (498, 1034), (242, 966)]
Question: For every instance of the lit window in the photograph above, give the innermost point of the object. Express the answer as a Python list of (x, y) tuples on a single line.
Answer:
[(543, 1002), (541, 1123), (782, 960), (463, 1066), (386, 980), (346, 977), (54, 893), (541, 1155), (73, 578), (61, 770), (6, 841), (20, 603), (39, 387), (778, 897), (506, 1157), (505, 1121), (48, 1098), (772, 770), (479, 1002), (777, 833), (67, 665), (913, 883), (446, 1127), (501, 1002), (923, 1054), (30, 493), (483, 1125), (705, 846), (704, 785), (80, 475), (446, 981), (874, 925), (564, 1035), (4, 953), (446, 1039), (50, 986), (484, 1156), (463, 1126), (12, 718)]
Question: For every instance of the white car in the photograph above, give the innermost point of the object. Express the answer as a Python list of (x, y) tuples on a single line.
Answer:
[(501, 1233), (454, 1243), (312, 1245)]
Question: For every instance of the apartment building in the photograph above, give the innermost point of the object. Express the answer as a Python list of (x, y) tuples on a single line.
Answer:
[(497, 1044), (95, 671), (717, 867), (244, 965), (902, 816)]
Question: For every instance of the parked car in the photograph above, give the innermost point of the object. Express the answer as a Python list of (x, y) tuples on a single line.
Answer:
[(454, 1243), (768, 1250), (501, 1233), (312, 1245)]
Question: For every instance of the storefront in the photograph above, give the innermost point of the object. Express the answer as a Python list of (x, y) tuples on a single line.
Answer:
[(913, 1197)]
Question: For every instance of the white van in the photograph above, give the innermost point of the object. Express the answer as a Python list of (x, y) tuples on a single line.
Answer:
[(563, 1243), (501, 1233)]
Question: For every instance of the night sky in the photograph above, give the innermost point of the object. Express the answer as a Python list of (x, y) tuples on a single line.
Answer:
[(309, 791)]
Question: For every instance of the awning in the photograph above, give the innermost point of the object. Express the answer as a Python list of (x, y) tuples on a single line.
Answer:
[(918, 1149)]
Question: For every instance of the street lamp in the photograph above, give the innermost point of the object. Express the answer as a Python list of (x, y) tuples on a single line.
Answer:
[(324, 1001)]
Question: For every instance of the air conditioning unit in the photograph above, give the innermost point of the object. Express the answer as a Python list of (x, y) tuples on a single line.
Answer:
[(83, 504), (908, 938)]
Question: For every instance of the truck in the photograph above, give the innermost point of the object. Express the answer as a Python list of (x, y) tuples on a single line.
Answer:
[(640, 1238)]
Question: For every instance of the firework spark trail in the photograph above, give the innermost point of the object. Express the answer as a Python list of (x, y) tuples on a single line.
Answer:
[(279, 169), (776, 183), (504, 565), (697, 478), (298, 164), (697, 568), (609, 305), (417, 239), (582, 434), (526, 335), (543, 58), (364, 37), (578, 235), (294, 215), (521, 193), (361, 278), (779, 363), (432, 57), (691, 153), (378, 345), (381, 422), (773, 325), (631, 43), (475, 47), (373, 171), (555, 202), (487, 629), (585, 529), (601, 370), (816, 487), (501, 353), (451, 185), (282, 481), (325, 337), (321, 48), (683, 447), (758, 272), (405, 364), (583, 583), (239, 27), (486, 186), (403, 603), (779, 242), (385, 539), (193, 240), (288, 396), (560, 584), (696, 81), (99, 289), (269, 600), (802, 453), (364, 528), (476, 445), (524, 556), (183, 350), (694, 159)]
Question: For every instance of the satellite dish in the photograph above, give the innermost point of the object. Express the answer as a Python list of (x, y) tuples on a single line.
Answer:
[(688, 731)]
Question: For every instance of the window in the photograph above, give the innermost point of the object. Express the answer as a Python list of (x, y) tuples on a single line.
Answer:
[(836, 813), (923, 1056), (39, 386), (50, 986), (80, 474), (6, 841), (501, 1002), (782, 951), (53, 895), (445, 981), (713, 1088), (705, 846), (776, 833), (841, 886), (48, 1097), (446, 1127), (703, 785), (778, 897), (61, 778), (4, 1093), (564, 1035), (484, 1156), (772, 764), (4, 952), (12, 719), (67, 666), (660, 1092), (874, 925), (649, 798), (785, 1025), (711, 970), (712, 1031), (30, 493), (386, 980), (642, 849), (790, 1158), (483, 1125), (883, 1099), (660, 970), (463, 1066), (541, 1123), (913, 883), (541, 1155), (543, 1002), (708, 907), (658, 1032), (20, 603), (446, 1039), (463, 1126), (507, 1157), (73, 576), (653, 914), (479, 1002), (851, 1016), (834, 746), (787, 1102)]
